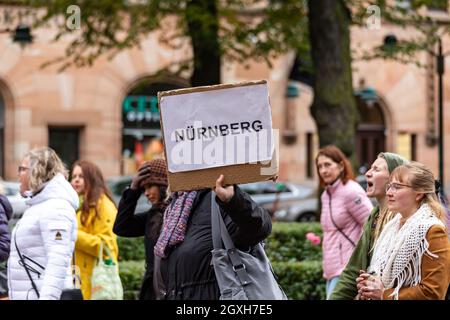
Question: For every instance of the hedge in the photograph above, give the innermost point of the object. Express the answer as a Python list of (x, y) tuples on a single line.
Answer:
[(131, 274), (296, 261), (131, 248), (300, 280), (287, 242)]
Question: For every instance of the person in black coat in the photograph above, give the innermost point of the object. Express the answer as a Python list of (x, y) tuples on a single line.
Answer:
[(5, 237), (183, 269), (6, 212), (152, 180)]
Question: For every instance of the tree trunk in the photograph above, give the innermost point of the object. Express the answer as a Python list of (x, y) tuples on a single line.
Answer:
[(201, 17), (334, 107)]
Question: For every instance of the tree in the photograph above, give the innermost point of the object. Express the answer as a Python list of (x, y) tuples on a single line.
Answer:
[(257, 29), (333, 108), (216, 30)]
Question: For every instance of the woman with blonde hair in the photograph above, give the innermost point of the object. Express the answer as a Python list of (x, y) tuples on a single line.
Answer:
[(377, 177), (96, 216), (42, 242), (411, 259)]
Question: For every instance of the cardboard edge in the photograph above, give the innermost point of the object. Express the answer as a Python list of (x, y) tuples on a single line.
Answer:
[(174, 178), (162, 94)]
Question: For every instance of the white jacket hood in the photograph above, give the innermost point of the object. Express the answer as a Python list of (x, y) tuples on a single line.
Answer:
[(56, 188)]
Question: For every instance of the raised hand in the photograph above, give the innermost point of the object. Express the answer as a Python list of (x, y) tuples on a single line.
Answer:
[(224, 193), (143, 173)]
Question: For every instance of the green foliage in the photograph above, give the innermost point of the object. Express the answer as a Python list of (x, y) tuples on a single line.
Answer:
[(301, 280), (131, 248), (296, 262), (288, 243), (415, 15), (131, 274), (245, 29)]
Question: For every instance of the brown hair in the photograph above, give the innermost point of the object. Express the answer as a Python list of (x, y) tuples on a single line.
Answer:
[(337, 156), (421, 180), (94, 188)]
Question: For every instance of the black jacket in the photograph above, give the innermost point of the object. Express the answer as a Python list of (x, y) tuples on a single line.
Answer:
[(147, 224), (5, 238), (187, 272)]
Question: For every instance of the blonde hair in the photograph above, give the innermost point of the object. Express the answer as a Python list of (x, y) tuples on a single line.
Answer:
[(45, 164), (421, 180), (384, 217)]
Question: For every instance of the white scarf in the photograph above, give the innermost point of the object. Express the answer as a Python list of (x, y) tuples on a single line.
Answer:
[(398, 252)]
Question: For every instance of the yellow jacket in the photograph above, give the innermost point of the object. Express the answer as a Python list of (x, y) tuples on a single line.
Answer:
[(89, 238)]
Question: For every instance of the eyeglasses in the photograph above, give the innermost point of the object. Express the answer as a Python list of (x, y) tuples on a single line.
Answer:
[(396, 186), (22, 168)]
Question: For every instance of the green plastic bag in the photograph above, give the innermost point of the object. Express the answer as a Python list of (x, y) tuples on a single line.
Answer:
[(105, 281)]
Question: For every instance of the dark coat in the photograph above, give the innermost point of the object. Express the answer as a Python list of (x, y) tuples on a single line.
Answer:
[(187, 272), (5, 238), (147, 224)]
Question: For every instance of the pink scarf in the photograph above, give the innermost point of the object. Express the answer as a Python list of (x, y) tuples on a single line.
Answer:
[(175, 222)]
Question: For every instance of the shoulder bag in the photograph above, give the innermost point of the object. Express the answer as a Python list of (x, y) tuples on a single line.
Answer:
[(66, 294), (105, 280), (241, 275)]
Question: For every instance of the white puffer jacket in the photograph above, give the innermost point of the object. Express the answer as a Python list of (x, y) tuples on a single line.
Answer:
[(45, 236)]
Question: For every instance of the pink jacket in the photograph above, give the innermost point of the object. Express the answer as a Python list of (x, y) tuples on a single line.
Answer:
[(350, 209)]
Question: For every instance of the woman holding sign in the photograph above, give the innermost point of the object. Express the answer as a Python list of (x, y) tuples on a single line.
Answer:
[(183, 269)]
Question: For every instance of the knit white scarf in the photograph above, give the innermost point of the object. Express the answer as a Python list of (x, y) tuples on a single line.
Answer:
[(398, 252)]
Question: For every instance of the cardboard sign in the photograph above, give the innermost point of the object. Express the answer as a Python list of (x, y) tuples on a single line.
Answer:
[(213, 130)]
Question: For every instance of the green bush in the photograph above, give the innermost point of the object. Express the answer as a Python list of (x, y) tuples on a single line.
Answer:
[(131, 248), (288, 243), (131, 274), (296, 261), (301, 280)]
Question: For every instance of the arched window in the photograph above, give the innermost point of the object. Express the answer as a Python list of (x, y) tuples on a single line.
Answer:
[(370, 136), (141, 131)]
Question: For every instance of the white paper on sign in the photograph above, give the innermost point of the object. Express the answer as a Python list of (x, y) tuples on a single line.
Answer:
[(217, 128)]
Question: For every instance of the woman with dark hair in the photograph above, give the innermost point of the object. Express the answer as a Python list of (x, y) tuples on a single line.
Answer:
[(95, 216), (152, 180), (345, 208)]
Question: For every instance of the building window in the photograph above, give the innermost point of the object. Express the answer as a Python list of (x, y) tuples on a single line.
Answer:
[(407, 145), (65, 141), (403, 4), (309, 155), (141, 133), (290, 131), (413, 147), (436, 5)]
